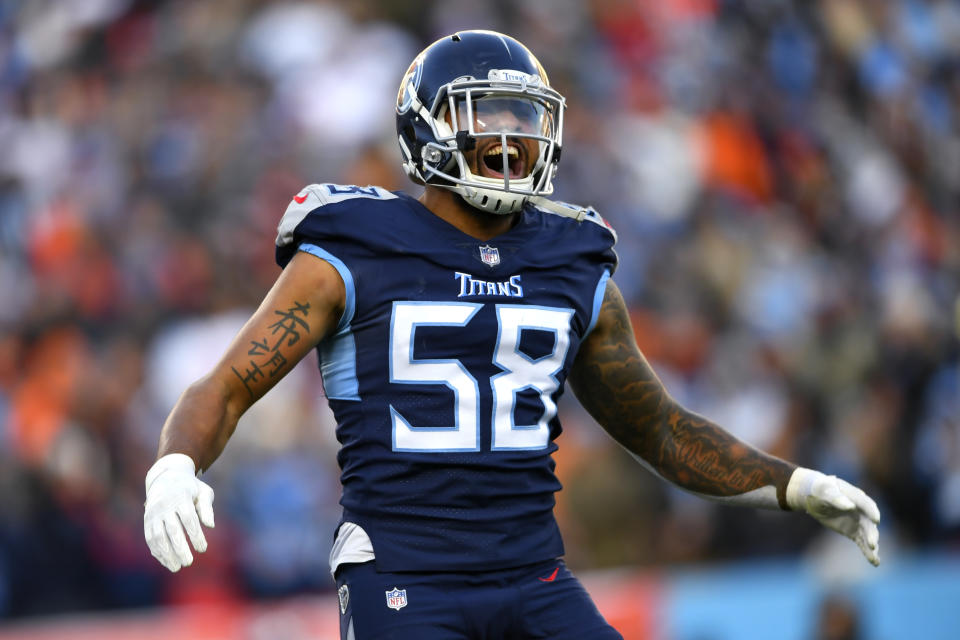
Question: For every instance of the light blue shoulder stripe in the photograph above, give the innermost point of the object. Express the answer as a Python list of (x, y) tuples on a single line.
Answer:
[(351, 292), (597, 301), (338, 353)]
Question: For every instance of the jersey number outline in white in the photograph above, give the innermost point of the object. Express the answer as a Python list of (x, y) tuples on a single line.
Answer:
[(519, 372)]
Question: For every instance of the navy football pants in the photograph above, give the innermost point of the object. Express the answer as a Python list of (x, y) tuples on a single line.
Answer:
[(538, 601)]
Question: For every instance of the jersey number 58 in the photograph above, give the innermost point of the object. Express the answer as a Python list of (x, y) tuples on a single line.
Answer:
[(519, 372)]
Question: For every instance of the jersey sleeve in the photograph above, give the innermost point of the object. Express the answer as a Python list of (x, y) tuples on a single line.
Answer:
[(606, 256), (323, 213), (606, 240), (596, 238)]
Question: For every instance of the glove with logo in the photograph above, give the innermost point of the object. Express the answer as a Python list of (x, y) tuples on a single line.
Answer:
[(176, 501), (838, 505)]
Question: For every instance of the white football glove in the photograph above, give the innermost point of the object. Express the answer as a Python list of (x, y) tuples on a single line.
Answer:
[(176, 501), (838, 505)]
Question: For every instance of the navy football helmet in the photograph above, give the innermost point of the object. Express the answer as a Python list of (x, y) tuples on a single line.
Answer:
[(480, 90)]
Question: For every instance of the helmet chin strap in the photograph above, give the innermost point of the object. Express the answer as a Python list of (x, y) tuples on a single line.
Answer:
[(489, 200), (513, 202), (559, 208), (496, 201)]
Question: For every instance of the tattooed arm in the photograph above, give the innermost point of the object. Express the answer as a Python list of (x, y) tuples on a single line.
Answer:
[(614, 382), (303, 306), (616, 385)]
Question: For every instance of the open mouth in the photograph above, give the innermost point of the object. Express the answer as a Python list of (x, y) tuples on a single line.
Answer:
[(491, 160)]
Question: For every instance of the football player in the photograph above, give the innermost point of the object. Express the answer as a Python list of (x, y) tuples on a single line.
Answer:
[(446, 328)]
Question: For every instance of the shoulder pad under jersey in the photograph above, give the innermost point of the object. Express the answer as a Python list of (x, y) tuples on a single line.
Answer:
[(574, 211), (315, 196)]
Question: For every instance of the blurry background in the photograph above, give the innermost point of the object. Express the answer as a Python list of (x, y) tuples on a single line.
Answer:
[(785, 180)]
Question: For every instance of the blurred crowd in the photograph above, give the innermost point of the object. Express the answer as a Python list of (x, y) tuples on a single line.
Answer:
[(785, 181)]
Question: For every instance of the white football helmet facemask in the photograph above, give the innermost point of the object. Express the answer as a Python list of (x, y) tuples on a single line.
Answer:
[(480, 90)]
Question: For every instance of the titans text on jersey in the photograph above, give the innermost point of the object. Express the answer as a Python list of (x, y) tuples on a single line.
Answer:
[(445, 370), (473, 286)]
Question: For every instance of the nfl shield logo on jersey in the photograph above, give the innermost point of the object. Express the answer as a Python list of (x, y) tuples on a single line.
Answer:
[(489, 255), (397, 599)]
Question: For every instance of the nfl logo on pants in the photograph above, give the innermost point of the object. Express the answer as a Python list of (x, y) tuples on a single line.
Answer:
[(397, 599)]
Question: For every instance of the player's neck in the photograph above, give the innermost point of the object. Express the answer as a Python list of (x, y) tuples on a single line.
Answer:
[(450, 207)]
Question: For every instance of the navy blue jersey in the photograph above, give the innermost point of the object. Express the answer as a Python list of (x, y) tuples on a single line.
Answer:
[(445, 370)]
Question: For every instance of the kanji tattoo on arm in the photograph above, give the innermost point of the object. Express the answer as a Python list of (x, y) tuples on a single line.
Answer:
[(289, 325), (614, 382), (267, 359)]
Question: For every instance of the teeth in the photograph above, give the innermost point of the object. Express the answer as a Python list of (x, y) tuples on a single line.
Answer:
[(497, 150)]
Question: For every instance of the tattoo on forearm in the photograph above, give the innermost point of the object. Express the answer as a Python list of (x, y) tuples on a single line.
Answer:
[(624, 394), (267, 359)]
